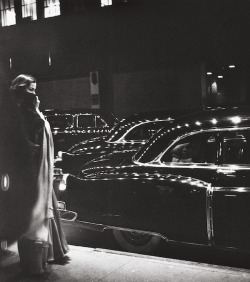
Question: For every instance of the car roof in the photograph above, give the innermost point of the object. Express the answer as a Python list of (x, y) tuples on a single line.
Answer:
[(236, 117), (70, 111), (158, 114), (212, 118), (138, 118)]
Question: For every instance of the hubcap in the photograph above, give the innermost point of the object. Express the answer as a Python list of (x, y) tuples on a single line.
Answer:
[(136, 238)]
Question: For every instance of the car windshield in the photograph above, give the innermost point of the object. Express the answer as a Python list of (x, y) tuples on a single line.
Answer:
[(119, 130), (144, 131), (139, 126), (154, 146), (153, 122)]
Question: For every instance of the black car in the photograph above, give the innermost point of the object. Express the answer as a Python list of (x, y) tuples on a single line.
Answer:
[(127, 135), (190, 183), (72, 126)]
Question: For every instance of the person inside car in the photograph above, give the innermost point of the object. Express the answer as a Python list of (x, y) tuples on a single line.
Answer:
[(182, 153)]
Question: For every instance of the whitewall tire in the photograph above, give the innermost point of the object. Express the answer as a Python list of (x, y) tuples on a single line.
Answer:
[(136, 242)]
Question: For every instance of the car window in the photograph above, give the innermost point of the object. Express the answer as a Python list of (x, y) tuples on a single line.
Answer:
[(144, 131), (197, 148), (86, 121), (100, 122), (61, 121), (236, 147)]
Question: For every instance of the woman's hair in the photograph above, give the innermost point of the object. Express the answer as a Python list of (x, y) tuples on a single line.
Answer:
[(21, 82)]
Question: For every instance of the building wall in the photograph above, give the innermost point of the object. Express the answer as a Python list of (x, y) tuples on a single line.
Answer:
[(148, 55), (65, 94), (173, 88)]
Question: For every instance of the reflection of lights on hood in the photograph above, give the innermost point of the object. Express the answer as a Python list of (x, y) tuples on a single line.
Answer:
[(236, 119), (214, 121)]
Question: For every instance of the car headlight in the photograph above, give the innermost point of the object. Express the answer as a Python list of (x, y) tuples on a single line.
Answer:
[(63, 182), (60, 180), (58, 158)]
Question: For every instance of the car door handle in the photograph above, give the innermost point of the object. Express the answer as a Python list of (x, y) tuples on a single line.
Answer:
[(225, 171), (165, 189)]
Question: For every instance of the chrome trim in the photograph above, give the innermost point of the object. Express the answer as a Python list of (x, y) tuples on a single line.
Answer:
[(232, 189), (209, 212), (5, 182), (61, 205), (221, 168), (57, 172), (180, 165)]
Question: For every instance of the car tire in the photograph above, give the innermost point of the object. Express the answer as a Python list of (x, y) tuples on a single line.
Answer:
[(136, 242)]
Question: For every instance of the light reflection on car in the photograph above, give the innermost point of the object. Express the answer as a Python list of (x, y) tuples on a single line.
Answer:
[(72, 126), (189, 183), (127, 135)]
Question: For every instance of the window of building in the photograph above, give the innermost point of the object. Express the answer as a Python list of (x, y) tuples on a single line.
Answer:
[(8, 15), (29, 9), (51, 8), (106, 3)]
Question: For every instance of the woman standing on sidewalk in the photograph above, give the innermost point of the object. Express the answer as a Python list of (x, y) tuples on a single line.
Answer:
[(44, 239)]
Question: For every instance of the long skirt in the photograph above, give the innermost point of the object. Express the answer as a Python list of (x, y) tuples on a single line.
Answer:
[(34, 253)]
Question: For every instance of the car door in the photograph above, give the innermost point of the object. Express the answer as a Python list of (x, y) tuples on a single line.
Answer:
[(170, 197), (192, 163), (231, 195)]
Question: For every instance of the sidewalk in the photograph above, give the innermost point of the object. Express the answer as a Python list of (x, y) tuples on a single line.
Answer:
[(89, 264)]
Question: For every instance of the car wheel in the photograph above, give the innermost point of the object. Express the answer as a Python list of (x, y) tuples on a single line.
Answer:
[(136, 242)]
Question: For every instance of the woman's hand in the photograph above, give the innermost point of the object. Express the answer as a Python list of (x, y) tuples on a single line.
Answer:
[(37, 103)]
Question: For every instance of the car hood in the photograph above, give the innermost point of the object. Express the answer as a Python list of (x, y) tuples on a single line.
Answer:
[(87, 144), (128, 171), (108, 162), (99, 145)]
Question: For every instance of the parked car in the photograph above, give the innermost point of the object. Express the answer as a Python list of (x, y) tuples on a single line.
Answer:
[(72, 126), (189, 183), (127, 135), (114, 159)]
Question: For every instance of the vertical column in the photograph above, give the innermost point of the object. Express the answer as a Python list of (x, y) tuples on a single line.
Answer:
[(94, 90), (203, 86)]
